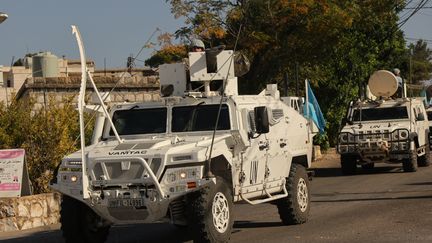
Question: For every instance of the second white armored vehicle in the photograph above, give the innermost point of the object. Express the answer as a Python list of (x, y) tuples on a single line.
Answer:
[(384, 129), (165, 161)]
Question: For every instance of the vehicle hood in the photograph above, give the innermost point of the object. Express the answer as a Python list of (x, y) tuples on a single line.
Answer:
[(195, 147)]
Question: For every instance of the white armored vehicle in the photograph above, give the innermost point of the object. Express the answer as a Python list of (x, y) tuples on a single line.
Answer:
[(384, 129), (164, 161), (429, 115)]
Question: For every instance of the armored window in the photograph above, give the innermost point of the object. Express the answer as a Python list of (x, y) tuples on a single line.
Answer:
[(199, 118), (387, 113), (140, 121)]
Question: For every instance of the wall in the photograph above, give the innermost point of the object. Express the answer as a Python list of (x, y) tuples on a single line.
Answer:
[(29, 211), (133, 89)]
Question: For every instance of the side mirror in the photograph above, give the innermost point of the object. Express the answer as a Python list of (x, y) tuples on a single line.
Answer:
[(344, 121), (261, 120), (420, 117)]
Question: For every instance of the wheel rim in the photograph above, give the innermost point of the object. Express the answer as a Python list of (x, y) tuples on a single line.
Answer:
[(302, 195), (220, 211)]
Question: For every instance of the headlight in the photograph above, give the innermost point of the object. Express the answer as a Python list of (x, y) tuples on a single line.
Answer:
[(182, 174), (343, 137), (74, 178), (180, 179), (403, 134), (346, 137), (68, 177), (400, 135), (351, 138), (74, 163)]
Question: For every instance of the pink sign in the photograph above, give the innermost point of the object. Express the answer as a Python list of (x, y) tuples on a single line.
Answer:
[(12, 153), (10, 186), (11, 172)]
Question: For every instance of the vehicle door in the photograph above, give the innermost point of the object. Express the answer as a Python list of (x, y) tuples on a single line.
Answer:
[(254, 159), (419, 127)]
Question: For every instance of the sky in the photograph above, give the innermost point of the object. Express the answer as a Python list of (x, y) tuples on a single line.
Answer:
[(112, 30)]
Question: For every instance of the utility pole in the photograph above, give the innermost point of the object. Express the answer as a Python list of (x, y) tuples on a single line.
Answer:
[(410, 71)]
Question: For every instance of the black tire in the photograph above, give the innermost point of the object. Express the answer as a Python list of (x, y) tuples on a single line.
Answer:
[(410, 164), (294, 209), (368, 166), (425, 160), (201, 209), (80, 224), (348, 164)]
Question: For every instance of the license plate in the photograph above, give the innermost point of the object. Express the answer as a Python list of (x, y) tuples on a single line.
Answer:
[(129, 202)]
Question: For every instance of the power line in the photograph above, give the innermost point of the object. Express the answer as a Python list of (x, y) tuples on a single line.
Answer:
[(416, 39), (426, 7), (419, 6), (424, 14)]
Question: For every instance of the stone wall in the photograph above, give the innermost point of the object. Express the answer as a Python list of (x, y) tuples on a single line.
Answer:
[(29, 211), (40, 91)]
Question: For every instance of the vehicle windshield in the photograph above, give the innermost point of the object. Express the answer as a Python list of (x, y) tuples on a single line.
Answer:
[(388, 113), (199, 118), (140, 121), (429, 114)]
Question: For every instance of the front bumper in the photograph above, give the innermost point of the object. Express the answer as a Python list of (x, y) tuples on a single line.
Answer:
[(370, 147), (120, 200)]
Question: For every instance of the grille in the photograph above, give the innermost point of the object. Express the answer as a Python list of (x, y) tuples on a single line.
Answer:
[(277, 113), (374, 135), (124, 146), (131, 170), (115, 171), (144, 146)]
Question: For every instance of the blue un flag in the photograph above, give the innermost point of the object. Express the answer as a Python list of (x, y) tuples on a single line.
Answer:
[(314, 111)]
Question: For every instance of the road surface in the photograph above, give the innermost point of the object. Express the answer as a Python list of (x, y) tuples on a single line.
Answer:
[(385, 205)]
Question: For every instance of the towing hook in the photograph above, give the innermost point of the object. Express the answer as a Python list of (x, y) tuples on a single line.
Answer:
[(146, 190), (102, 195)]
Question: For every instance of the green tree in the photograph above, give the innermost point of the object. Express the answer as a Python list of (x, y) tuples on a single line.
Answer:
[(168, 54), (421, 65), (47, 135), (15, 121), (336, 44)]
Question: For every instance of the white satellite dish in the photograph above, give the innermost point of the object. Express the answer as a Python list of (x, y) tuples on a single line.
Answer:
[(3, 17), (383, 83)]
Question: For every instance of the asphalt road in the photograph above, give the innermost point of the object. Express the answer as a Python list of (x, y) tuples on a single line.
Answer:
[(385, 205)]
